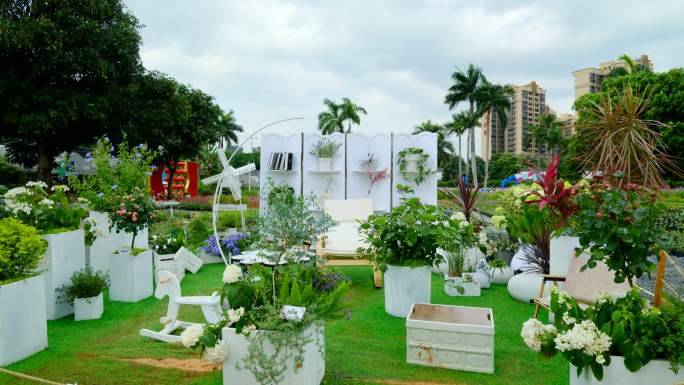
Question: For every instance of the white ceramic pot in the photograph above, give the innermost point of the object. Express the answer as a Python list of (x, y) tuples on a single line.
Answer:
[(412, 162), (405, 286), (64, 256), (311, 372), (472, 256), (324, 164), (131, 276), (501, 276), (23, 320), (88, 308), (562, 251), (452, 285), (525, 287), (656, 372)]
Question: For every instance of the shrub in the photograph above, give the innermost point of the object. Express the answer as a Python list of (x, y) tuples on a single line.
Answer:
[(21, 248), (84, 284)]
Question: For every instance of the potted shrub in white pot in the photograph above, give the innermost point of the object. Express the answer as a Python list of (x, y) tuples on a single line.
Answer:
[(23, 318), (85, 291), (403, 244), (499, 271), (458, 238), (130, 268), (325, 150)]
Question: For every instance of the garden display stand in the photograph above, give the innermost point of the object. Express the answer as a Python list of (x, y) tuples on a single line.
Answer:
[(64, 256), (88, 308), (405, 286), (169, 286), (131, 276)]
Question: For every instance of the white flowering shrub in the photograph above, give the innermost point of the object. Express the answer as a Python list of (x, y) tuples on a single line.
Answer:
[(232, 273), (191, 336), (48, 210)]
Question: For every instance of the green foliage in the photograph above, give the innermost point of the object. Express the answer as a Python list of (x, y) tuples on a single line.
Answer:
[(423, 170), (48, 213), (134, 212), (280, 193), (168, 243), (325, 148), (332, 120), (10, 174), (445, 148), (21, 248), (84, 284)]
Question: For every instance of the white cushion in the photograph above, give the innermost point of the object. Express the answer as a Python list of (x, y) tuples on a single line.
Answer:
[(343, 239), (349, 210)]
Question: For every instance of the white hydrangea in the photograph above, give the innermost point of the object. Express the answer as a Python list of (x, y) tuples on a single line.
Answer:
[(533, 330), (234, 315), (482, 238), (82, 201), (191, 336), (38, 183), (248, 329), (232, 273), (603, 297), (60, 187), (568, 320), (217, 354), (584, 336), (46, 202), (458, 215)]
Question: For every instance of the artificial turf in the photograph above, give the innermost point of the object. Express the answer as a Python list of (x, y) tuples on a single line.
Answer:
[(364, 345)]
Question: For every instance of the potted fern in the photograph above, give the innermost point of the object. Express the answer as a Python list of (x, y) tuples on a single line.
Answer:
[(85, 291), (325, 149)]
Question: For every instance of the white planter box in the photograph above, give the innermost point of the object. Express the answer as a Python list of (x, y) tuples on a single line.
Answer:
[(311, 372), (188, 260), (23, 321), (454, 337), (167, 262), (131, 276), (451, 285), (324, 164), (501, 276), (405, 286), (561, 252), (108, 241), (656, 372), (64, 256), (88, 308)]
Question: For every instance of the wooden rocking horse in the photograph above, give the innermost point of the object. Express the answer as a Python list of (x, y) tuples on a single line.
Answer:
[(169, 286)]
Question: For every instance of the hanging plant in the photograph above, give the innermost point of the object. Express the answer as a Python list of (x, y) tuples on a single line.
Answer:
[(413, 164)]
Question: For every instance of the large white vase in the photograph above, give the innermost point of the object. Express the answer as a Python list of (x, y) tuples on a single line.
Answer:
[(64, 256), (405, 286), (131, 276), (656, 372), (525, 287)]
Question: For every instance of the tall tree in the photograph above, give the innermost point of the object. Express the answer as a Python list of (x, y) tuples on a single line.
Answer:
[(465, 88), (546, 135), (444, 147), (350, 113), (228, 128), (462, 122), (493, 99), (66, 68), (330, 121)]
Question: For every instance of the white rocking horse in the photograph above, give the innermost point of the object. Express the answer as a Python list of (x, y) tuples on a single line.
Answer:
[(169, 286)]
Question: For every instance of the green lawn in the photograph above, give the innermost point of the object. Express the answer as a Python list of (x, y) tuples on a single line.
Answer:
[(366, 346)]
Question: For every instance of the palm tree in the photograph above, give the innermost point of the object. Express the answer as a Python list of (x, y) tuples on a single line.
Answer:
[(228, 128), (330, 121), (631, 64), (462, 122), (465, 88), (350, 113), (547, 134), (493, 98), (444, 147)]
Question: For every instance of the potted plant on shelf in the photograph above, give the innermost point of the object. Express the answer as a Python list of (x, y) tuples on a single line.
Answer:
[(22, 292), (403, 244), (325, 149), (58, 219), (413, 165), (370, 167), (85, 292), (130, 268), (458, 238), (165, 246)]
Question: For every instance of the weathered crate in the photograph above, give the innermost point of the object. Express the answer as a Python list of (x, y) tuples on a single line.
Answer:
[(454, 337)]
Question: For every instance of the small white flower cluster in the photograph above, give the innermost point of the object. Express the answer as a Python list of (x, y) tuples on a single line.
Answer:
[(60, 187), (584, 336), (234, 315), (232, 274), (191, 336), (217, 354), (563, 296), (248, 329), (533, 330), (39, 183), (483, 241), (82, 201), (603, 298), (568, 320), (13, 200), (458, 215), (47, 202)]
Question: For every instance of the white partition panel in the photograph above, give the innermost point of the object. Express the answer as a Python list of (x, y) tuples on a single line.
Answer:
[(328, 183), (427, 190), (272, 142), (359, 148)]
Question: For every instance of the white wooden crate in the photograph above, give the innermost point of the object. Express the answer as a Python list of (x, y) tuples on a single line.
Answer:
[(453, 337)]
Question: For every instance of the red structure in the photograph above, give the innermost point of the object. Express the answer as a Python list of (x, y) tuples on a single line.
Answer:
[(185, 180)]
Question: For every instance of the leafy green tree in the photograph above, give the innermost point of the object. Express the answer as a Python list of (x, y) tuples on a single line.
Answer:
[(444, 147), (66, 69), (228, 128), (330, 121), (350, 113), (547, 135), (462, 122)]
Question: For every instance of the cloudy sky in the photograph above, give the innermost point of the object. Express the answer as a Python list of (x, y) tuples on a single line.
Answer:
[(269, 60)]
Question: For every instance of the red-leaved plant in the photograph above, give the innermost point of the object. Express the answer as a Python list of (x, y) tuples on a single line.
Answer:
[(554, 195)]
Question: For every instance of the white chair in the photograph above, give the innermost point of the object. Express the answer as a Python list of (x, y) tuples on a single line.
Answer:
[(339, 245), (169, 286)]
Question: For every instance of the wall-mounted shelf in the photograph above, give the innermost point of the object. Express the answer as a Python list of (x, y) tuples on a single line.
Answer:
[(364, 172), (282, 171), (324, 172)]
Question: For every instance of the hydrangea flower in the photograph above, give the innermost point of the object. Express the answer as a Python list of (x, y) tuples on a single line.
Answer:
[(216, 354), (584, 336), (191, 336), (533, 331), (234, 315), (232, 274)]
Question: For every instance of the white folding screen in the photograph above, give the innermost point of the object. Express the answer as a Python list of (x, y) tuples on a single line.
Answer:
[(328, 183), (278, 143), (359, 148), (427, 190)]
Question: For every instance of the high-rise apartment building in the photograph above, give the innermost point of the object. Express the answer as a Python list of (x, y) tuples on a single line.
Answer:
[(528, 103), (588, 80), (568, 124)]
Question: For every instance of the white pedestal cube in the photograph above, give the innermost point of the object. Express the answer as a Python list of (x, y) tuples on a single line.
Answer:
[(64, 256), (23, 321), (109, 241), (131, 276), (88, 308)]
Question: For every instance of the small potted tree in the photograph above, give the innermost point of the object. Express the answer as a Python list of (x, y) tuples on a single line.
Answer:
[(403, 244), (130, 268), (325, 149), (85, 292), (23, 318)]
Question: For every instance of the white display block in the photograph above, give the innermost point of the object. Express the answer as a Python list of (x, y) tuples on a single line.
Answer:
[(562, 251), (273, 142), (452, 285), (320, 183), (656, 372), (88, 308), (311, 372), (108, 241), (168, 262), (427, 190), (131, 276), (23, 320), (405, 286), (454, 337), (358, 183), (188, 260), (64, 256)]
